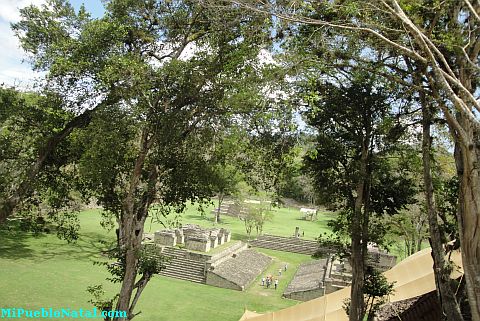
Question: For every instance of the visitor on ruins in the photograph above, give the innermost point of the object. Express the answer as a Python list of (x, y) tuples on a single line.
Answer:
[(286, 265), (263, 281), (280, 272), (276, 283)]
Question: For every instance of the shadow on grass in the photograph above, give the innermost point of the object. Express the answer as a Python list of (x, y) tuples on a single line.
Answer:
[(88, 247), (13, 244), (241, 237), (16, 244)]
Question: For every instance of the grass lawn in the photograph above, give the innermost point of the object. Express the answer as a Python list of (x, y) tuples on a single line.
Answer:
[(284, 222), (46, 272)]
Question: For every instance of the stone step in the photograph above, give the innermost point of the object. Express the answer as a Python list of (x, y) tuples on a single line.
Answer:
[(182, 277), (289, 240), (289, 244), (287, 250), (182, 265), (277, 237), (286, 244), (173, 251), (193, 274), (183, 274), (284, 247), (293, 241), (309, 248)]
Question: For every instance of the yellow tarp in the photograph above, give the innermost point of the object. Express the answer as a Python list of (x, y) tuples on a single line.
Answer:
[(413, 277)]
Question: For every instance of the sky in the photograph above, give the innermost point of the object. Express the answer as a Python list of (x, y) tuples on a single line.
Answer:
[(14, 70)]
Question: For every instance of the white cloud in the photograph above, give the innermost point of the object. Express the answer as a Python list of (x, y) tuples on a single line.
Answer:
[(10, 8), (13, 71)]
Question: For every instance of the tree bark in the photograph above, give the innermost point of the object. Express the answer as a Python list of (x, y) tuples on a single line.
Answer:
[(467, 158), (220, 201), (131, 228), (448, 301), (357, 303)]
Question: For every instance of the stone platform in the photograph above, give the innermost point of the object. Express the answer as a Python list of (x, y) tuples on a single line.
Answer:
[(239, 271), (308, 282)]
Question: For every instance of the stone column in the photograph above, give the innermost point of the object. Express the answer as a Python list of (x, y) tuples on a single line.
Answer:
[(213, 241), (226, 236), (180, 236)]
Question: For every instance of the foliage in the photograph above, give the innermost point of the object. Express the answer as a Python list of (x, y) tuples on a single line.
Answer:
[(99, 301), (256, 215), (340, 120), (377, 288), (152, 110), (26, 120)]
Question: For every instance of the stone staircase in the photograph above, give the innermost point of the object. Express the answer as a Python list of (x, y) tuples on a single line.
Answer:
[(286, 244), (180, 267)]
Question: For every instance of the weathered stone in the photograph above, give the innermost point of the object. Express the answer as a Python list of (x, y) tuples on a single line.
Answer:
[(165, 237), (308, 282), (220, 238), (226, 236), (198, 237), (180, 236), (200, 243), (239, 271), (213, 241)]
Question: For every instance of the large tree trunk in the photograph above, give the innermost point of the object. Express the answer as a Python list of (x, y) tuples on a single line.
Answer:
[(357, 304), (132, 246), (358, 263), (447, 298), (131, 226), (468, 167), (131, 264)]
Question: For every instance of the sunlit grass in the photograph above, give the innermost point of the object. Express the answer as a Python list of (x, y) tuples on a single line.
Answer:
[(43, 271)]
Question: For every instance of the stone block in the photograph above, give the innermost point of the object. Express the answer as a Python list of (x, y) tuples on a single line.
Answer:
[(201, 244), (213, 241), (226, 236), (166, 238)]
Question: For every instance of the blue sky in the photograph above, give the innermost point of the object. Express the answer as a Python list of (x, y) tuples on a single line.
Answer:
[(13, 68)]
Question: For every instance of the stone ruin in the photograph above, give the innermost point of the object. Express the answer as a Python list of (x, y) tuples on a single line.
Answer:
[(193, 236)]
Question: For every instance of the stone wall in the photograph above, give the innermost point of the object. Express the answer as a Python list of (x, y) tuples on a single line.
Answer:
[(308, 282), (227, 253), (201, 244), (305, 295), (193, 236), (239, 271), (165, 237), (221, 282)]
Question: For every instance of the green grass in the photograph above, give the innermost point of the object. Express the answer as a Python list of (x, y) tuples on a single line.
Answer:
[(284, 222), (43, 271)]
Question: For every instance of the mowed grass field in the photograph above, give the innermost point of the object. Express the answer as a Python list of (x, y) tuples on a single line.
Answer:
[(284, 222), (43, 271)]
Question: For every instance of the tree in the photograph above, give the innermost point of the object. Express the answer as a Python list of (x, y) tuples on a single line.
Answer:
[(350, 167), (256, 215), (226, 172), (26, 121), (442, 39), (146, 141)]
